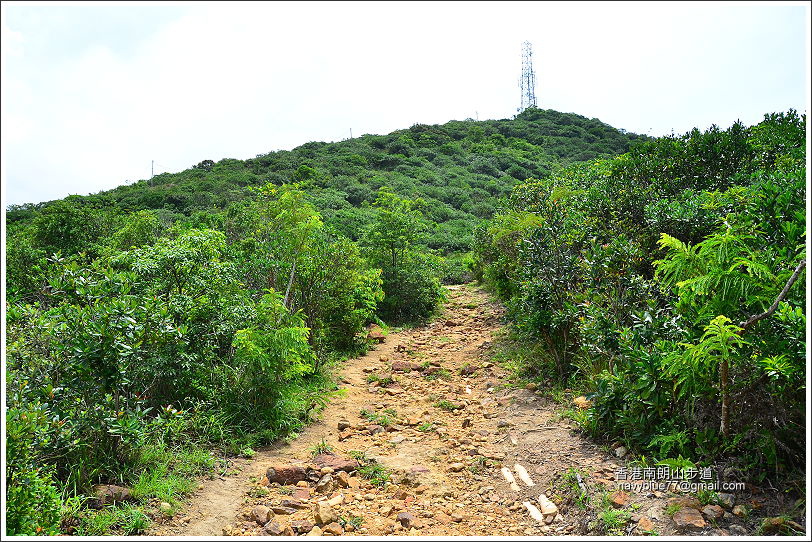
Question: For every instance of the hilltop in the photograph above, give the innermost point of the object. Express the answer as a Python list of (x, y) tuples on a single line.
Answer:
[(459, 170)]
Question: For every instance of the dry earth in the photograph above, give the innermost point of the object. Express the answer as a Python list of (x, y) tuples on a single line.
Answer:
[(450, 471)]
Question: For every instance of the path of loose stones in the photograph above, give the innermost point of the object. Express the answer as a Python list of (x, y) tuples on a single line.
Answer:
[(458, 447)]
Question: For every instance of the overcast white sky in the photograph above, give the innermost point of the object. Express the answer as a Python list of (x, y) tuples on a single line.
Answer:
[(91, 93)]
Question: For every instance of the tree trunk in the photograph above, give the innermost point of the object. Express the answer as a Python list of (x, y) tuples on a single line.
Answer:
[(724, 371)]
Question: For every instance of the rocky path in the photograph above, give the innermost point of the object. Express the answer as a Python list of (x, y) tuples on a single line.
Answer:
[(428, 440)]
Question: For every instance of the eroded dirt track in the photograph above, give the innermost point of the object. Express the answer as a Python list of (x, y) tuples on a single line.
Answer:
[(466, 455)]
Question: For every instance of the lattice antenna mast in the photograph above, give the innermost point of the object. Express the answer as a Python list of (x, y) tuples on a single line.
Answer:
[(528, 80)]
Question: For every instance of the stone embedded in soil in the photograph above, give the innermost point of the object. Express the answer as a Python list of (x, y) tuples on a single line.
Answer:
[(300, 493), (726, 499), (713, 511), (342, 479), (325, 484), (273, 528), (315, 531), (443, 518), (334, 529), (110, 494), (343, 424), (456, 467), (261, 514), (337, 463), (286, 474), (619, 499), (294, 503), (284, 510), (645, 524), (688, 519), (324, 514), (685, 502), (740, 510), (335, 501), (374, 429), (407, 520), (301, 526), (402, 367), (375, 333)]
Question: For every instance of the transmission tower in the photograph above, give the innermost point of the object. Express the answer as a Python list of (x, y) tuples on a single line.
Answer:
[(527, 82)]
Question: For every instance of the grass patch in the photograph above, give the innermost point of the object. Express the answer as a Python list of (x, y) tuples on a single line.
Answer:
[(376, 473), (443, 374), (126, 519), (382, 382), (426, 427), (707, 497), (321, 448), (370, 469), (478, 464), (611, 519), (672, 509), (570, 479), (355, 521), (384, 420), (447, 405), (578, 415)]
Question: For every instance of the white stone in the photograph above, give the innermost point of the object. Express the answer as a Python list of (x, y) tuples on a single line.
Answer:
[(510, 479), (534, 512), (523, 476)]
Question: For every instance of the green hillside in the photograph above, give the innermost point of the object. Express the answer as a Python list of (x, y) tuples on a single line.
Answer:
[(459, 169)]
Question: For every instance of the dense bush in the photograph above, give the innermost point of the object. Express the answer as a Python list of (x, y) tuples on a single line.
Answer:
[(393, 243), (160, 342), (640, 276)]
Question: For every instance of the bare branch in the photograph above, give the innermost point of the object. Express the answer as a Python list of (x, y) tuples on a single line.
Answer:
[(756, 317)]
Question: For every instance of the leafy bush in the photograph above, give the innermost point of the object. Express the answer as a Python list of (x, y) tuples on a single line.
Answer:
[(655, 278)]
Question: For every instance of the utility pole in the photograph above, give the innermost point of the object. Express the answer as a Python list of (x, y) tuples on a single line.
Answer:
[(152, 170), (527, 82), (350, 133)]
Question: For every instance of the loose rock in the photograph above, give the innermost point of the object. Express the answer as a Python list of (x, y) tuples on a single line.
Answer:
[(740, 510), (301, 526), (645, 524), (713, 511), (335, 462), (111, 494), (619, 499), (324, 514), (726, 499), (286, 474), (407, 520), (261, 514), (273, 528), (325, 484), (334, 529), (689, 519)]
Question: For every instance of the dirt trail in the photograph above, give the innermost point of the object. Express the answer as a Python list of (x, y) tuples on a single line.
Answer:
[(464, 471)]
